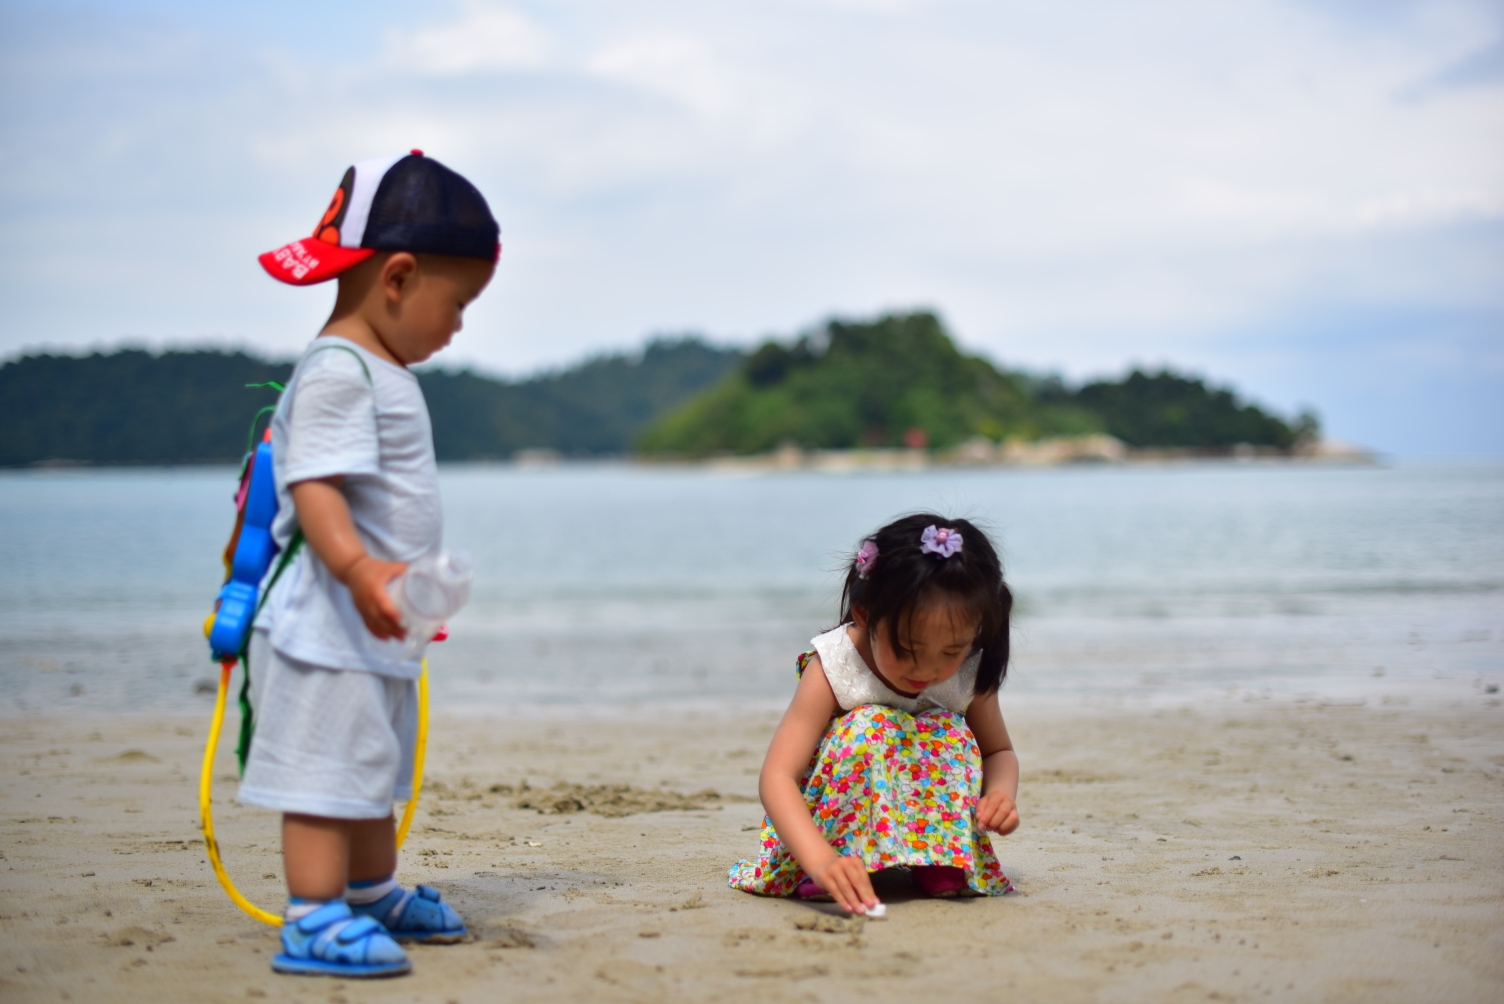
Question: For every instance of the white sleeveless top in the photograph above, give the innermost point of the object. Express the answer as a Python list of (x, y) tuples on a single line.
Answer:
[(855, 684)]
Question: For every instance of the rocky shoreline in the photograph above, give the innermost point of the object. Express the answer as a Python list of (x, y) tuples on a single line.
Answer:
[(1050, 451)]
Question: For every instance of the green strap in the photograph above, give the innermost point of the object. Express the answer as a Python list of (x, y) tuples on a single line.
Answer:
[(250, 435), (345, 348)]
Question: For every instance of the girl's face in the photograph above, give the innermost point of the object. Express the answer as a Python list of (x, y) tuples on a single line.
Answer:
[(932, 644)]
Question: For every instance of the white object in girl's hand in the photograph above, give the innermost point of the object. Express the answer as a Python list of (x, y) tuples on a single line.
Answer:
[(432, 590), (878, 912)]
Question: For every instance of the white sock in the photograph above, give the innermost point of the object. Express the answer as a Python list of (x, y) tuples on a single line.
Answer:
[(297, 908), (361, 893)]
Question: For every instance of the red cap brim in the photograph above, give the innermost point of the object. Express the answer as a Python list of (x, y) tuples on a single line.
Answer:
[(310, 260)]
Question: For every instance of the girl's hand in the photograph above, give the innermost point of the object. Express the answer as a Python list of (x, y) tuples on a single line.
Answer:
[(789, 753), (846, 879), (997, 812), (367, 579)]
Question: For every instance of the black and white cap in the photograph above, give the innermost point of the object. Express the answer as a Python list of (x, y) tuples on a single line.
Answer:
[(405, 203)]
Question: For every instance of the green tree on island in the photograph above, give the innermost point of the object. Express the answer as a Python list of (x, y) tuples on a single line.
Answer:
[(900, 381), (1166, 409)]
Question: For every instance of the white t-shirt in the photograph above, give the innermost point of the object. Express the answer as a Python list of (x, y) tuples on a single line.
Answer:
[(854, 684), (369, 424)]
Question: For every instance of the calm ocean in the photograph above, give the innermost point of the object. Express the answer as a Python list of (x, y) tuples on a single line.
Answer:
[(614, 585)]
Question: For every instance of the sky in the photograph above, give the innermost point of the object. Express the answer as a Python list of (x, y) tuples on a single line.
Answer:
[(1304, 200)]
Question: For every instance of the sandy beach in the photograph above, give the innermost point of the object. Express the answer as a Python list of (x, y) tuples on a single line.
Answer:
[(1235, 852)]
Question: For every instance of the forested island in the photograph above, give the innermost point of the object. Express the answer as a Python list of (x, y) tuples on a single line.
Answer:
[(900, 381), (897, 381)]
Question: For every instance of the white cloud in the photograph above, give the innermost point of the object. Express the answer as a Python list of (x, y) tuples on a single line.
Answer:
[(487, 38), (873, 6), (673, 66), (1428, 207)]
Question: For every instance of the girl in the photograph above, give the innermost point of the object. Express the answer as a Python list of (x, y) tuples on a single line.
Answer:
[(893, 752)]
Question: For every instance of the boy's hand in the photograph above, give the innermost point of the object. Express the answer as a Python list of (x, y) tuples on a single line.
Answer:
[(367, 579), (325, 517), (997, 812), (847, 880)]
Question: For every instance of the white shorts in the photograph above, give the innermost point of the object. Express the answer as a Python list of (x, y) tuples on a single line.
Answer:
[(328, 742)]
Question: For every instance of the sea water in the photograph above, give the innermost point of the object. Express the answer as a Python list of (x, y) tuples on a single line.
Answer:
[(615, 586)]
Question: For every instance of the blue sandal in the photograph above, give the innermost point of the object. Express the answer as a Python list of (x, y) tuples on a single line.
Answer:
[(332, 941), (415, 915)]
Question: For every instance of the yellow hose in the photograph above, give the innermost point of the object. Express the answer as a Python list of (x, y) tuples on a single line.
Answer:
[(418, 754), (206, 777)]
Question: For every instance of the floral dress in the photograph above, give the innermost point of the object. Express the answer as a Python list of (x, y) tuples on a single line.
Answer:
[(894, 781)]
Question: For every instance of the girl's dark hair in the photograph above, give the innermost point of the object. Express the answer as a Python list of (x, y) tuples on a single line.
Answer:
[(903, 578)]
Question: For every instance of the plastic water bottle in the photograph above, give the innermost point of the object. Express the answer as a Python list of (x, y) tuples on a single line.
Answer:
[(432, 590)]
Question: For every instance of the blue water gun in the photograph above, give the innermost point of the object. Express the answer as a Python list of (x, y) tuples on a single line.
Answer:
[(253, 550)]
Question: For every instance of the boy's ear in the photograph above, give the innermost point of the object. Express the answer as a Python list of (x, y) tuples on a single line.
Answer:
[(397, 274)]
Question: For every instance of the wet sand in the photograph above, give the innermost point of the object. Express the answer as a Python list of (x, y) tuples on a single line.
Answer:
[(1287, 852)]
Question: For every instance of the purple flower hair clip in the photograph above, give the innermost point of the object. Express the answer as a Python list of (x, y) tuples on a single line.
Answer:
[(943, 542), (866, 557)]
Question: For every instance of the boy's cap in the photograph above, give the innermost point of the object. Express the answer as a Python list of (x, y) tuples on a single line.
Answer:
[(405, 203)]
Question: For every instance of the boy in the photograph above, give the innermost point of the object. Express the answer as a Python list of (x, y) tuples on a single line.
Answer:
[(412, 244)]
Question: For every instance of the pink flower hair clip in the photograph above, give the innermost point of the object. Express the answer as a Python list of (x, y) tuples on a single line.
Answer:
[(942, 542), (866, 557)]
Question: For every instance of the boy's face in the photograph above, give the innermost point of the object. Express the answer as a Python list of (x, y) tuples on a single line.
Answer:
[(430, 307)]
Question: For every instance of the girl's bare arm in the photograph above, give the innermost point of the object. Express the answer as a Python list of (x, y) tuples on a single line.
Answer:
[(997, 810), (325, 518), (795, 741)]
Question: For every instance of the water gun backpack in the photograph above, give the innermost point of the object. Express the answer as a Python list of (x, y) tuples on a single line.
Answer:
[(247, 558)]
